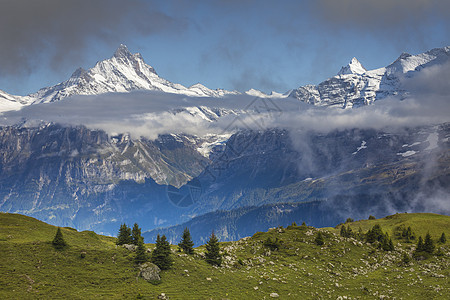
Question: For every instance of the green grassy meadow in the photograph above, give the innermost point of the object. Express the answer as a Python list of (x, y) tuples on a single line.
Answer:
[(30, 268)]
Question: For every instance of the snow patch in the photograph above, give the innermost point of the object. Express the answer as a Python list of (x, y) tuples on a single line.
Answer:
[(363, 146), (407, 153), (433, 139)]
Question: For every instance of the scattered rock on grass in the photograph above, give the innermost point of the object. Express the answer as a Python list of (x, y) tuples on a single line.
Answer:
[(274, 295), (163, 296)]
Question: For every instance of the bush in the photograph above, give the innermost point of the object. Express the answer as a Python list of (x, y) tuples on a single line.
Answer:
[(319, 239), (349, 220), (272, 244), (372, 217), (406, 259)]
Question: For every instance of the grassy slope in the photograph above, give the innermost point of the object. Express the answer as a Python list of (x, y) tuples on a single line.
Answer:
[(31, 268)]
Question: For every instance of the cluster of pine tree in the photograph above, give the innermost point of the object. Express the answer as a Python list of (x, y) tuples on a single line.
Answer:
[(424, 248), (347, 232), (408, 234), (161, 255), (403, 233), (376, 235), (133, 237)]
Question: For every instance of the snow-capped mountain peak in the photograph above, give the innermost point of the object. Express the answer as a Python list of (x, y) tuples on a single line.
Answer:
[(354, 67), (355, 86), (123, 72), (122, 51)]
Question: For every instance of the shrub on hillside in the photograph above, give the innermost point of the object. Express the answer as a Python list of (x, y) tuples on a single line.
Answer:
[(272, 244)]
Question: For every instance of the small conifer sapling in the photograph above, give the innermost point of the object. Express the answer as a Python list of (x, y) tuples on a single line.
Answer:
[(58, 242), (443, 239)]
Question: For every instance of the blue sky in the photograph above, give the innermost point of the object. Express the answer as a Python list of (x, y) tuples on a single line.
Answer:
[(266, 45)]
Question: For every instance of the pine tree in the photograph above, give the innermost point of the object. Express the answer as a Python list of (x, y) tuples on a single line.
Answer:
[(58, 242), (360, 235), (343, 232), (212, 253), (186, 244), (443, 239), (386, 243), (420, 246), (136, 234), (349, 231), (428, 245), (141, 253), (124, 236), (406, 259), (161, 255), (319, 239)]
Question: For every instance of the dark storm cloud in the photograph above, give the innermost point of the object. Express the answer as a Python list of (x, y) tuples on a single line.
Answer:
[(64, 29), (381, 13)]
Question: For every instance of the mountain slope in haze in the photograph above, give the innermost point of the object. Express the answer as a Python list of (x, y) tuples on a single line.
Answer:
[(85, 179), (88, 179), (92, 267)]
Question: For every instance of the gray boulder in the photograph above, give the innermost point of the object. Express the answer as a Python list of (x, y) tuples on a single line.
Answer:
[(149, 272), (129, 247)]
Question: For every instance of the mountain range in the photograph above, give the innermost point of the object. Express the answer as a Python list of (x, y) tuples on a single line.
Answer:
[(125, 72), (236, 180)]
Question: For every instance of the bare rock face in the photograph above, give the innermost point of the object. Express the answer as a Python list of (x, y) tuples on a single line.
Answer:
[(149, 272)]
